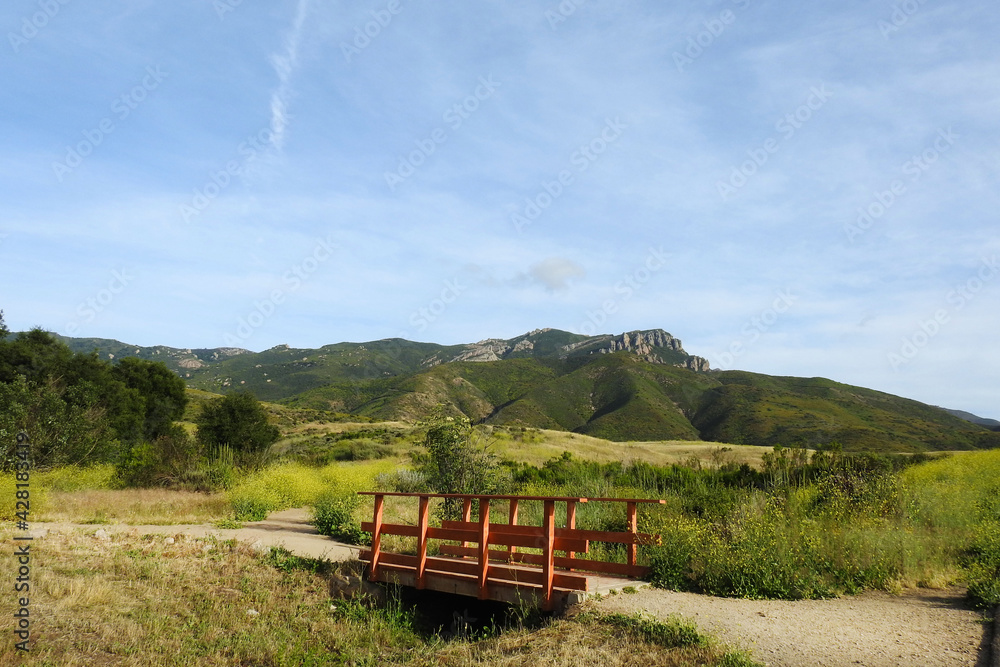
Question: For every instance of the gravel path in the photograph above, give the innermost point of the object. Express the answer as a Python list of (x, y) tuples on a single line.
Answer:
[(921, 628)]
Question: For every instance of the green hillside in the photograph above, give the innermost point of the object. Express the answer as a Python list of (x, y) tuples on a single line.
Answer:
[(638, 386), (748, 408)]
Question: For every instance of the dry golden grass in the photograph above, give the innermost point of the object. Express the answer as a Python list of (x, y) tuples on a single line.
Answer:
[(139, 600), (543, 445), (540, 445), (321, 428), (133, 506), (570, 643)]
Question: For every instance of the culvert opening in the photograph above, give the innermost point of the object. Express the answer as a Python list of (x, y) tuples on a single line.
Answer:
[(452, 616)]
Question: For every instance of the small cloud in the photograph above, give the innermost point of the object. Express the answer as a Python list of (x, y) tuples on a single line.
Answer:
[(555, 273)]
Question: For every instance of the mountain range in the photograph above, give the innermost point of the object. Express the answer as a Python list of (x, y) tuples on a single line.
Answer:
[(634, 386)]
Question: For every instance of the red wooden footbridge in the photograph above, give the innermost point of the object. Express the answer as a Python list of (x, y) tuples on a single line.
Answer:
[(471, 567)]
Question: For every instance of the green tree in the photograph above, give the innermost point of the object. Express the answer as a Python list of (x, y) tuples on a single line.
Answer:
[(238, 421), (79, 408), (37, 355), (162, 392), (62, 433), (458, 461), (4, 331)]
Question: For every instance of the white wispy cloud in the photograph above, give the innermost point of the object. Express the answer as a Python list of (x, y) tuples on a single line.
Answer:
[(285, 63)]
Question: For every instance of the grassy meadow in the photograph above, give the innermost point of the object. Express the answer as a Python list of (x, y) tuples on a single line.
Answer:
[(132, 600), (738, 521)]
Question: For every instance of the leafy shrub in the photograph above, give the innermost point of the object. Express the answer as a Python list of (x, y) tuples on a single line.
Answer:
[(358, 450), (164, 461), (333, 515), (254, 504), (983, 562), (670, 561), (458, 462), (239, 421), (138, 466)]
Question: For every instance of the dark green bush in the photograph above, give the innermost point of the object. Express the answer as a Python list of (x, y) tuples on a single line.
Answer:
[(983, 566), (333, 515)]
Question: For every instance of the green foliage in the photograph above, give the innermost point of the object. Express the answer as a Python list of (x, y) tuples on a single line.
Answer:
[(982, 559), (457, 461), (239, 421), (77, 408), (284, 560), (840, 529), (363, 444), (254, 504), (166, 461), (675, 632), (333, 515), (163, 393), (62, 432)]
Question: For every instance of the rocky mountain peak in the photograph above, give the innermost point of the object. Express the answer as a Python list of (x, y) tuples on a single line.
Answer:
[(643, 342), (648, 346)]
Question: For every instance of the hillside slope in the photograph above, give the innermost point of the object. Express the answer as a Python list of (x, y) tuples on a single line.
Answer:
[(631, 387)]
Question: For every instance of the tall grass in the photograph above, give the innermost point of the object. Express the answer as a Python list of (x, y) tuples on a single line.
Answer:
[(932, 524), (290, 485), (959, 500), (49, 487)]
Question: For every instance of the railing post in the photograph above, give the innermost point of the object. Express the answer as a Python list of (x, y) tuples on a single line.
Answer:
[(423, 514), (570, 524), (512, 520), (632, 528), (466, 514), (484, 546), (376, 536), (549, 534)]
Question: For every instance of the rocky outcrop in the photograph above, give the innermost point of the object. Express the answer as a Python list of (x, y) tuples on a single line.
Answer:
[(647, 345), (525, 344), (699, 364), (643, 343), (492, 349)]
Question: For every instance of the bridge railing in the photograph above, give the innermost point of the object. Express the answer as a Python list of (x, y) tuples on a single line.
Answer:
[(472, 567)]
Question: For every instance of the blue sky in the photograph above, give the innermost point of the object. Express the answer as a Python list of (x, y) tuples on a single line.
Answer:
[(794, 190)]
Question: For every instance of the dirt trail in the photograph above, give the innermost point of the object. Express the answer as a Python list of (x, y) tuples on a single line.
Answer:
[(289, 529), (922, 628)]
